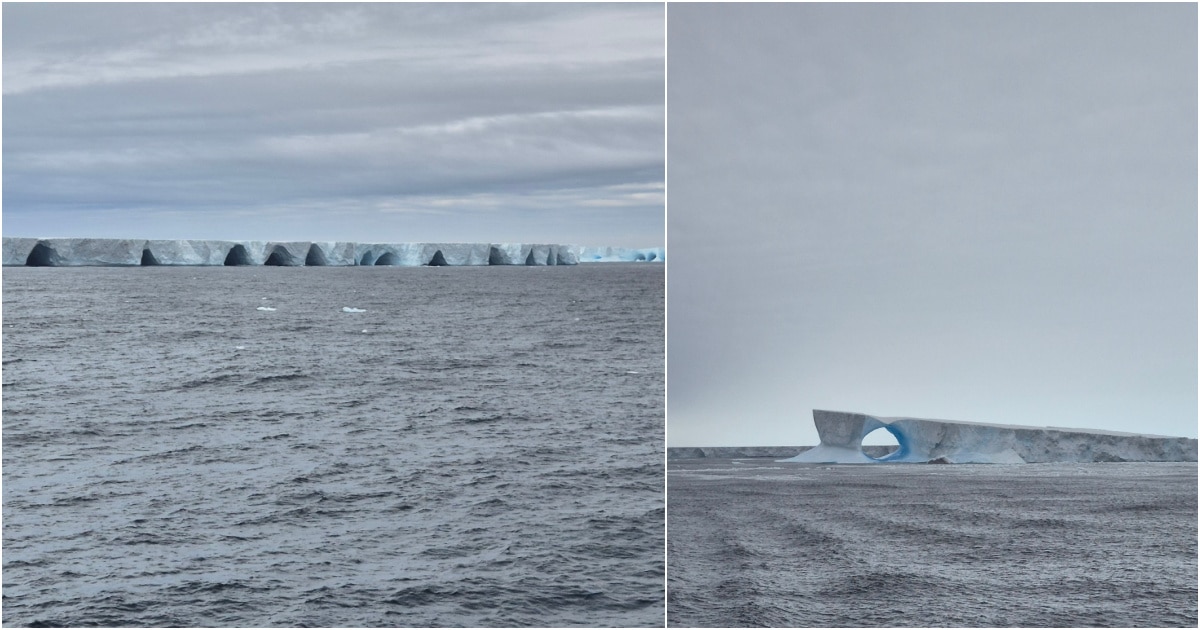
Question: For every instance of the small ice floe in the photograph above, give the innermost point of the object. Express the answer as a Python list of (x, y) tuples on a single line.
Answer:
[(364, 330), (265, 308), (631, 372), (239, 347), (347, 309)]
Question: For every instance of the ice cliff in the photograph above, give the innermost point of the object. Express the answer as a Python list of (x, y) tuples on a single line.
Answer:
[(82, 252), (947, 441), (621, 254)]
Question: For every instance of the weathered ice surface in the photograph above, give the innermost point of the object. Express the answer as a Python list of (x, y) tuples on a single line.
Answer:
[(332, 253), (94, 252), (953, 442), (568, 254), (508, 254), (16, 250), (178, 252), (621, 254), (521, 254), (81, 252)]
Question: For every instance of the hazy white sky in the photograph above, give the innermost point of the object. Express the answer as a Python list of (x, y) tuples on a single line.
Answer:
[(981, 212), (401, 122)]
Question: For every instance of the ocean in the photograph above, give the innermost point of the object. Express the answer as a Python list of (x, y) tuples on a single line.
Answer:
[(480, 446), (753, 542)]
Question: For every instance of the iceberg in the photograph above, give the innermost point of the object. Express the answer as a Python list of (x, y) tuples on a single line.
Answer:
[(946, 441), (84, 252), (332, 254), (172, 253), (94, 252), (622, 254), (422, 254), (16, 250)]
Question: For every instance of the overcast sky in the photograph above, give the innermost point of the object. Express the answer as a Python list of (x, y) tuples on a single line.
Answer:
[(981, 212), (377, 122)]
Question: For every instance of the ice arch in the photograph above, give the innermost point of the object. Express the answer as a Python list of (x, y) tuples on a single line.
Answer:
[(885, 437), (41, 256), (947, 441), (280, 257), (237, 256), (315, 257)]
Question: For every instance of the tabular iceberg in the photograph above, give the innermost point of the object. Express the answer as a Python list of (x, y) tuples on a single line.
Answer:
[(621, 254), (947, 441), (84, 252)]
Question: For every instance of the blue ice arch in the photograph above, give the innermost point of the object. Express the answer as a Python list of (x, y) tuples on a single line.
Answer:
[(955, 442)]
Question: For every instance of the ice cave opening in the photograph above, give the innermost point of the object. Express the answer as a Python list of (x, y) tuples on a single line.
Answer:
[(388, 258), (280, 258), (315, 257), (148, 259), (884, 436), (237, 256), (367, 258), (529, 260), (41, 256), (438, 260)]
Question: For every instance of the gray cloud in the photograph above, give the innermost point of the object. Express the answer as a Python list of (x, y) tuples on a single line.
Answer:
[(373, 121), (975, 212)]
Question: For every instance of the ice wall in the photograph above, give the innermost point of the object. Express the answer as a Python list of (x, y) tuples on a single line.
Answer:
[(621, 254), (947, 441), (82, 252)]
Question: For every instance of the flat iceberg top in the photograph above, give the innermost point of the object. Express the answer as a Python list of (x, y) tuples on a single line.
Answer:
[(955, 441), (1021, 427)]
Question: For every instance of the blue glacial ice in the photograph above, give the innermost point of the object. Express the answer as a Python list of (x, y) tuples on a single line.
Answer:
[(622, 254), (946, 441)]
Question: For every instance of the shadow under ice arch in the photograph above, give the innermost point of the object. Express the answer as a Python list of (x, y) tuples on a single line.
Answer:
[(955, 442)]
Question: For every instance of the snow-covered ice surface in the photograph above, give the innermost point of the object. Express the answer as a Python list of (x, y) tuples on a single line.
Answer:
[(101, 252), (954, 442), (757, 543)]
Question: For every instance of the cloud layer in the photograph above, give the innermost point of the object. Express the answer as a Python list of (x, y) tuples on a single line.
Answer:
[(972, 212), (335, 121)]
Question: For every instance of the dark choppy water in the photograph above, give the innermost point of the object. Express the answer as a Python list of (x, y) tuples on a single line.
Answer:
[(482, 446), (759, 543)]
